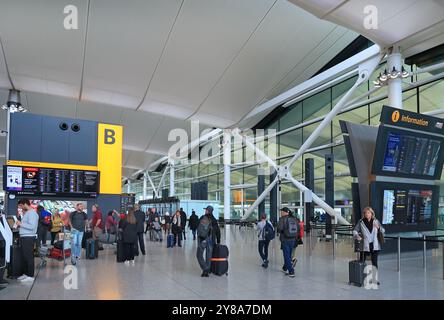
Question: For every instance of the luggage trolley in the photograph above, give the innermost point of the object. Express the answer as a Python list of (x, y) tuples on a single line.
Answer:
[(62, 248)]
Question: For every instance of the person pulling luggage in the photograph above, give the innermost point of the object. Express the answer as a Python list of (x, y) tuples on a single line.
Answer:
[(140, 218), (177, 228), (208, 234)]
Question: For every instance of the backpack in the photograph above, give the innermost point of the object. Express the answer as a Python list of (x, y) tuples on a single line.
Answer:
[(268, 231), (291, 230), (204, 227), (46, 216)]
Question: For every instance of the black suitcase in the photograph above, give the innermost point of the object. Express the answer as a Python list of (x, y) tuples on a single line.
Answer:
[(356, 273), (219, 261), (92, 249), (15, 267), (87, 235), (120, 256)]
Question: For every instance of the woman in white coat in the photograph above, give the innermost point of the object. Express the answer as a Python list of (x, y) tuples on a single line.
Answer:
[(367, 229)]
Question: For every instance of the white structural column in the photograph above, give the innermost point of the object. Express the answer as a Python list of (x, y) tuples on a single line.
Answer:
[(152, 184), (394, 59), (144, 186), (172, 192), (128, 187), (227, 174)]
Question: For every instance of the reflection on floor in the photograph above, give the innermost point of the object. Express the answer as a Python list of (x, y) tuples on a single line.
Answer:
[(174, 274)]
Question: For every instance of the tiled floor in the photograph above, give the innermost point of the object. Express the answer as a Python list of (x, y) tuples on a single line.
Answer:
[(174, 274)]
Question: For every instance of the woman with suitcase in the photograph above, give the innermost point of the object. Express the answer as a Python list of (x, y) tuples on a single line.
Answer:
[(370, 231)]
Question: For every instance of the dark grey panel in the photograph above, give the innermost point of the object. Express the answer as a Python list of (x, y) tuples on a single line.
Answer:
[(83, 144), (55, 141), (363, 141), (25, 137)]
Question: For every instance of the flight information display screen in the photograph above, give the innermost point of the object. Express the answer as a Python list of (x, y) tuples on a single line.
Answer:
[(404, 206), (410, 154), (50, 182), (407, 207)]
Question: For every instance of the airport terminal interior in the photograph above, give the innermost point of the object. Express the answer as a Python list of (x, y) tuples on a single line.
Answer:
[(120, 119)]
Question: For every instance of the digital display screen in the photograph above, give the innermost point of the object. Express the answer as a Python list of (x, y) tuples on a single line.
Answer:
[(405, 153), (407, 207), (51, 182), (411, 155)]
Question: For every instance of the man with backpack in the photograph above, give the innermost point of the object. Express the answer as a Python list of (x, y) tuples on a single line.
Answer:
[(208, 234), (44, 225), (266, 234), (288, 228)]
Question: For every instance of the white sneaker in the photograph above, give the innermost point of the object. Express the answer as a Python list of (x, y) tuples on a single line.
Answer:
[(27, 279), (127, 262), (133, 261), (22, 277)]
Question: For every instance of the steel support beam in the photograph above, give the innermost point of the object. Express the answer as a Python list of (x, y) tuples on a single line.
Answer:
[(227, 174), (159, 188), (172, 192), (152, 184)]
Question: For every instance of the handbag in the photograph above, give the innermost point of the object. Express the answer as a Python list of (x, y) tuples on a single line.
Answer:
[(380, 235)]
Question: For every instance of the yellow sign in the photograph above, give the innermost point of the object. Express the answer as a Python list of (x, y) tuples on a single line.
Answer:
[(109, 158), (50, 165), (395, 116)]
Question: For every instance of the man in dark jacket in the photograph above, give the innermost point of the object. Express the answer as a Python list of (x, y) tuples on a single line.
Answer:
[(193, 222), (140, 221), (183, 222), (287, 243), (206, 244)]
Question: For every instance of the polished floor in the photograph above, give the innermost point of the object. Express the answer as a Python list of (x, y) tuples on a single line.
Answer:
[(174, 274)]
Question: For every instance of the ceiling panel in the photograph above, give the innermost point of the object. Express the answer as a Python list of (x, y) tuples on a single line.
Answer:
[(99, 112), (49, 105), (160, 141), (207, 36), (4, 81), (139, 160), (287, 35), (41, 54), (157, 107), (125, 40), (140, 128)]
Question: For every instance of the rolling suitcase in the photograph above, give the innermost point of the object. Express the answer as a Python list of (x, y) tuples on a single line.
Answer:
[(120, 257), (356, 269), (15, 267), (219, 261), (87, 235), (92, 249), (170, 241)]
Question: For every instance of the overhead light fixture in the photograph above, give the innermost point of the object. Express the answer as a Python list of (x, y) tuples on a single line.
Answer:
[(394, 74), (383, 77), (14, 102), (404, 73)]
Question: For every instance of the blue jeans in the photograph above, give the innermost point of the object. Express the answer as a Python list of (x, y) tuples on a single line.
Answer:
[(194, 233), (263, 249), (76, 243), (287, 247)]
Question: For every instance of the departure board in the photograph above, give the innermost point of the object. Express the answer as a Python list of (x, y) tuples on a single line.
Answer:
[(50, 182), (409, 154)]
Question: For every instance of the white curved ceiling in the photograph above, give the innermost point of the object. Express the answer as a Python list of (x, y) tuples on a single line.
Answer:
[(414, 25), (153, 65)]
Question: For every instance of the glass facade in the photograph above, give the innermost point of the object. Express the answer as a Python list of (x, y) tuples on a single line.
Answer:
[(306, 115)]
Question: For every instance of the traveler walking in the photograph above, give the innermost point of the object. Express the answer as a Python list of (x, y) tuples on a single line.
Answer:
[(193, 223), (265, 235), (44, 225), (77, 222), (208, 234), (183, 220), (288, 229)]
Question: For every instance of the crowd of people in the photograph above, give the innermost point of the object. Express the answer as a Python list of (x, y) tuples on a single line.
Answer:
[(130, 229)]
